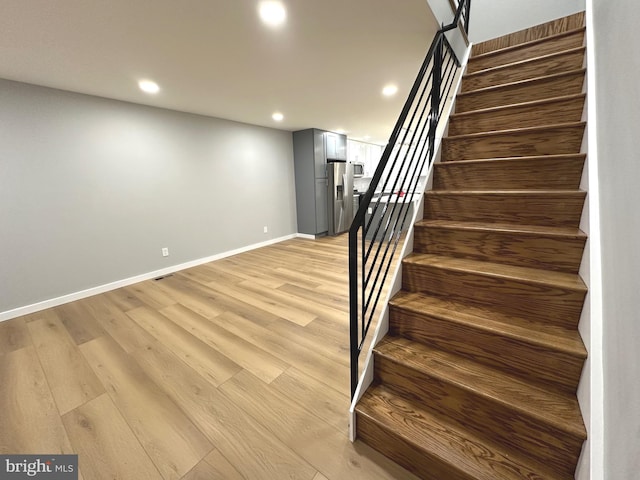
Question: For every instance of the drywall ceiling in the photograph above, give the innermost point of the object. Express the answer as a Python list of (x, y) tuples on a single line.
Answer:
[(324, 68)]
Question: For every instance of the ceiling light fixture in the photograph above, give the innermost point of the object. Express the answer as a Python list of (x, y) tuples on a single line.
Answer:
[(278, 117), (272, 13), (148, 86), (390, 90)]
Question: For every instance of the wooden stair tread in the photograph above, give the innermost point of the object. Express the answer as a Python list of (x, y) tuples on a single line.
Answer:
[(484, 74), (550, 109), (529, 82), (536, 333), (520, 46), (443, 439), (551, 407), (542, 128), (537, 246), (537, 230), (566, 281), (510, 193), (541, 87), (516, 173), (507, 159), (558, 207), (524, 62), (500, 108), (525, 141)]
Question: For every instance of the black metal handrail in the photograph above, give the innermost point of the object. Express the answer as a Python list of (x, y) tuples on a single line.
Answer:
[(380, 222)]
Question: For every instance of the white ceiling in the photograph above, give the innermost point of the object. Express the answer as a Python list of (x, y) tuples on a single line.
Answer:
[(325, 68)]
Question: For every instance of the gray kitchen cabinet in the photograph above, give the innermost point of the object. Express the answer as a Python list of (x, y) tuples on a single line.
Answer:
[(335, 146), (322, 222), (319, 157), (310, 163)]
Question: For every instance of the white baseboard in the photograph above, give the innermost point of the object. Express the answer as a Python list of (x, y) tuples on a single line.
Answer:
[(89, 292), (307, 236)]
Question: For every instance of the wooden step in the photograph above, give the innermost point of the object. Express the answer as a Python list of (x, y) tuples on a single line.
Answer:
[(433, 447), (551, 111), (559, 62), (547, 29), (546, 296), (553, 248), (549, 172), (533, 351), (524, 51), (521, 142), (544, 425), (542, 88), (553, 208)]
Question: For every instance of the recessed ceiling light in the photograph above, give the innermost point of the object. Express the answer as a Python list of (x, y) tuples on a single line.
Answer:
[(148, 86), (390, 90), (278, 117), (272, 13)]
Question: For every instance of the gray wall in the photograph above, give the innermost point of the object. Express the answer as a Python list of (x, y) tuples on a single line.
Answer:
[(92, 189), (618, 110), (493, 18)]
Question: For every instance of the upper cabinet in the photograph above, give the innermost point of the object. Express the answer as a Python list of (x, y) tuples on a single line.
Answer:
[(367, 154), (335, 146)]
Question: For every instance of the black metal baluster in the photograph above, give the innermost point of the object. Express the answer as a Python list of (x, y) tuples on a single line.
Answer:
[(411, 147)]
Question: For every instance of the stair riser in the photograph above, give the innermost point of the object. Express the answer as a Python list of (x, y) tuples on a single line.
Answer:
[(484, 416), (545, 88), (542, 303), (546, 209), (514, 356), (535, 251), (564, 62), (563, 173), (428, 467), (557, 141), (548, 113), (567, 42)]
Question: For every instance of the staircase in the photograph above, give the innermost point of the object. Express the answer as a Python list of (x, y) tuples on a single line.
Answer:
[(477, 377)]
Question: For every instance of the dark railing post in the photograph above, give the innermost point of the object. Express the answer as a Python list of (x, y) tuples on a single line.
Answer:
[(436, 88), (467, 12)]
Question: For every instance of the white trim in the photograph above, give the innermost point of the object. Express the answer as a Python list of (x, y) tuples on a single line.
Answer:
[(595, 421), (307, 236), (71, 297)]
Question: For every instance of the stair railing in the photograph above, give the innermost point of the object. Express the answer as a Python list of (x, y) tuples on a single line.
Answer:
[(381, 219)]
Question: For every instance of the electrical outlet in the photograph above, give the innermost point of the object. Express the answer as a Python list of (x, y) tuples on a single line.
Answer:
[(165, 252), (265, 229)]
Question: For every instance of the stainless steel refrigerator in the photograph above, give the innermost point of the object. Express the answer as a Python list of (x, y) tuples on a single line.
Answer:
[(340, 196)]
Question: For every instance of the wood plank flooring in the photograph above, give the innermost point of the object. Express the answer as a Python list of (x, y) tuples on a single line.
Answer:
[(236, 369)]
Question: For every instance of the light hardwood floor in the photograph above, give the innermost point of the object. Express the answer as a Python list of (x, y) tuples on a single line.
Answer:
[(234, 369)]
